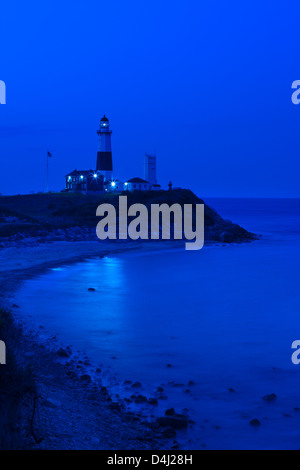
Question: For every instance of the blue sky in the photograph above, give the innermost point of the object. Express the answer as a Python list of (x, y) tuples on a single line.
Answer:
[(205, 85)]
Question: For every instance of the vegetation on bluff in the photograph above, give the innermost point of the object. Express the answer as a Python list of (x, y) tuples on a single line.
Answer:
[(35, 214)]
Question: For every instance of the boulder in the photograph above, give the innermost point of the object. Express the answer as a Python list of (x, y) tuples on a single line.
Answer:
[(175, 422), (136, 385), (153, 401), (63, 353), (86, 378), (254, 422), (170, 412), (270, 398), (140, 399), (115, 406)]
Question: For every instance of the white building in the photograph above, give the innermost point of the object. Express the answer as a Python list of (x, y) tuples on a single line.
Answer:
[(137, 184)]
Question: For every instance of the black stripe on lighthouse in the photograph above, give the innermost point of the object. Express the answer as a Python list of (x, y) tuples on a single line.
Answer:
[(104, 161)]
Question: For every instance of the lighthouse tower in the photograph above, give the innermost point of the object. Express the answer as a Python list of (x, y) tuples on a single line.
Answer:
[(104, 156)]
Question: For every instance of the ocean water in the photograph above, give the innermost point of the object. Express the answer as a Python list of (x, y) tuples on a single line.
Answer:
[(223, 318)]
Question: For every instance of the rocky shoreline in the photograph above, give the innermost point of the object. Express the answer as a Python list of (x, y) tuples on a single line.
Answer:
[(74, 410), (69, 406)]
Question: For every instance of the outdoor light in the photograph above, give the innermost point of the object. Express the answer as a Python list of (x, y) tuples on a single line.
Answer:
[(81, 177), (95, 175), (113, 184), (126, 184)]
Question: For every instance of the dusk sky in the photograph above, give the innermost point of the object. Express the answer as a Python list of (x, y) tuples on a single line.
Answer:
[(205, 85)]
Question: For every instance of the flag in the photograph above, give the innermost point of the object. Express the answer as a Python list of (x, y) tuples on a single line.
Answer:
[(49, 154)]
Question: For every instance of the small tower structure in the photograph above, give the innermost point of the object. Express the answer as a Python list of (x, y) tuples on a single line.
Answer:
[(150, 169)]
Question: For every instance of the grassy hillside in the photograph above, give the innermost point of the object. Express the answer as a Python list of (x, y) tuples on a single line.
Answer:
[(35, 212)]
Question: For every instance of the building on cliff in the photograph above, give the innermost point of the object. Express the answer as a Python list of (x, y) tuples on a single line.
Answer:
[(84, 181)]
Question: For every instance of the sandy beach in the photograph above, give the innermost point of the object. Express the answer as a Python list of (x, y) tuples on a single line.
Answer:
[(20, 262)]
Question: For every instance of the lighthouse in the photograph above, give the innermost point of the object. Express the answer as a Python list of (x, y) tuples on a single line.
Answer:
[(104, 156)]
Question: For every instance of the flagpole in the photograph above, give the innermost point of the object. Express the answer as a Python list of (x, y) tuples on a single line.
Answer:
[(47, 188)]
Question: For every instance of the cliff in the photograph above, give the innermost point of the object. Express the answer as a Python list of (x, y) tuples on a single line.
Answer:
[(65, 215)]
